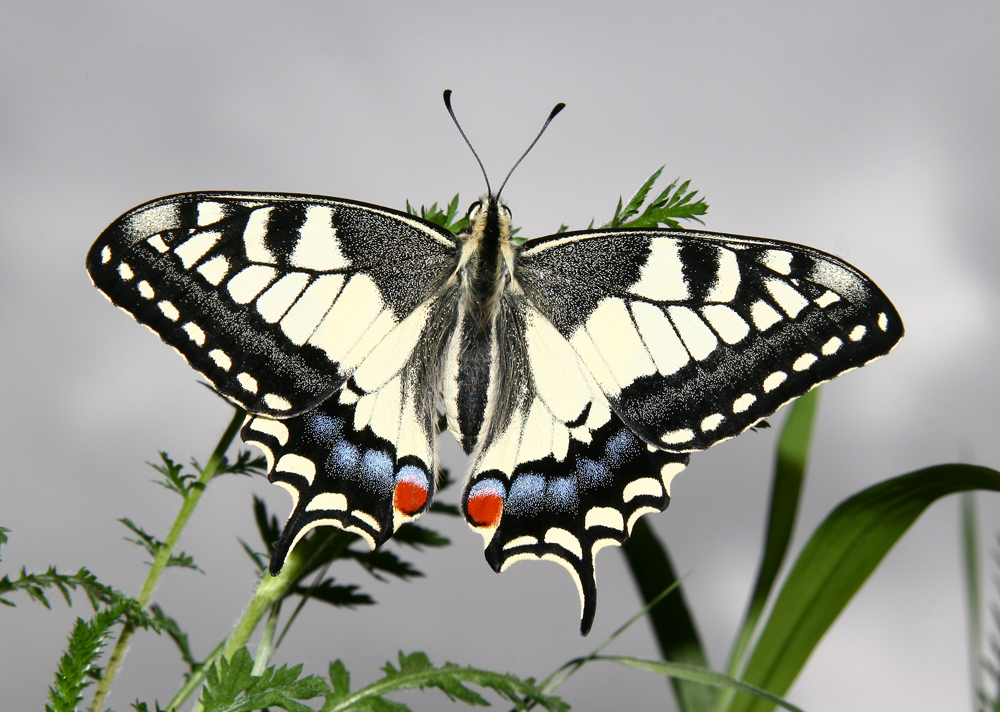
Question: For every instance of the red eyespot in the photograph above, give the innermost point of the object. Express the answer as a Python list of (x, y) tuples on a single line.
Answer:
[(410, 497), (484, 508)]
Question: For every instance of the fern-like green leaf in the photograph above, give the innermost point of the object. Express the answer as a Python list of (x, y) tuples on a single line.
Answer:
[(415, 671), (674, 203), (76, 664), (230, 687), (448, 218), (152, 545)]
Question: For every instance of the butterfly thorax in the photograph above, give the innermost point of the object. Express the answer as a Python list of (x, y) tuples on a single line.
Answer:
[(484, 274)]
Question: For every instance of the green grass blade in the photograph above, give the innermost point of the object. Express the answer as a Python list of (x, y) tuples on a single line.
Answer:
[(786, 488), (699, 676), (673, 625), (837, 560), (970, 558)]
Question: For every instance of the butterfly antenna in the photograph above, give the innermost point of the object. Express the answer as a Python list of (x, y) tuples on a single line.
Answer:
[(447, 103), (555, 110)]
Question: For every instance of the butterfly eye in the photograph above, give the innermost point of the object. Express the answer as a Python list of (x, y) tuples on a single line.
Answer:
[(506, 212), (475, 209)]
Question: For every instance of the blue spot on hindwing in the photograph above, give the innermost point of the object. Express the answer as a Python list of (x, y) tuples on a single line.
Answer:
[(323, 427), (377, 470), (561, 494), (621, 447), (344, 457), (526, 494), (593, 473)]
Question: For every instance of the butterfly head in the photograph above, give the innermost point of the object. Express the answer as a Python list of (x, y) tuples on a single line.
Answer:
[(489, 219)]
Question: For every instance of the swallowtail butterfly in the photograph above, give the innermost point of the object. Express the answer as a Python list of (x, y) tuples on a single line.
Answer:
[(577, 370)]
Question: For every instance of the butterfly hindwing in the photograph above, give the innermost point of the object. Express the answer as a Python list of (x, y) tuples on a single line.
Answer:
[(364, 459), (559, 476), (696, 336), (275, 299)]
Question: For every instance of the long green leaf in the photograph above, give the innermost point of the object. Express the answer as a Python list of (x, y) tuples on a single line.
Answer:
[(672, 623), (698, 675), (786, 488), (837, 560), (970, 556)]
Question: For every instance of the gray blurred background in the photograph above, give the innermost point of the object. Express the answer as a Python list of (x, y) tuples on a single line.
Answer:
[(867, 129)]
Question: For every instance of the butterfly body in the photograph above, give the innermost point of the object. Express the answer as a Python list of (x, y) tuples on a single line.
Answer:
[(577, 370)]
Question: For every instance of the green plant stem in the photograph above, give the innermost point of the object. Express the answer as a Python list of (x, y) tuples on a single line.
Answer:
[(266, 646), (191, 498), (270, 592)]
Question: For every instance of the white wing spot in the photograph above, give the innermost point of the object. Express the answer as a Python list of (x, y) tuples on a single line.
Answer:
[(194, 331), (676, 437), (712, 422), (158, 244), (764, 315), (327, 501), (604, 517), (727, 278), (196, 247), (209, 213), (565, 539), (521, 541), (774, 380), (248, 382), (297, 465), (832, 346), (169, 310), (250, 282), (662, 277), (214, 270), (254, 234), (221, 359), (857, 333), (642, 487), (883, 321), (743, 403), (804, 361), (827, 298), (125, 272), (276, 402), (105, 255), (697, 337), (272, 427), (790, 301), (146, 290), (727, 323), (778, 261), (318, 247)]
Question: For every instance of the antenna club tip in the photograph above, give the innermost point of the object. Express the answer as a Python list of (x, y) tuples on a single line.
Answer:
[(447, 97)]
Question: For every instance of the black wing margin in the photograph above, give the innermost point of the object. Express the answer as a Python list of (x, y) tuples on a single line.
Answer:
[(274, 298)]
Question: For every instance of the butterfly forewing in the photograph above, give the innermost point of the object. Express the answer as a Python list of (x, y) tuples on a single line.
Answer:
[(696, 336), (275, 299)]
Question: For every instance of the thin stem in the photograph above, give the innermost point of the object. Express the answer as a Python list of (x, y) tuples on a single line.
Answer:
[(270, 592), (266, 647), (191, 498)]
